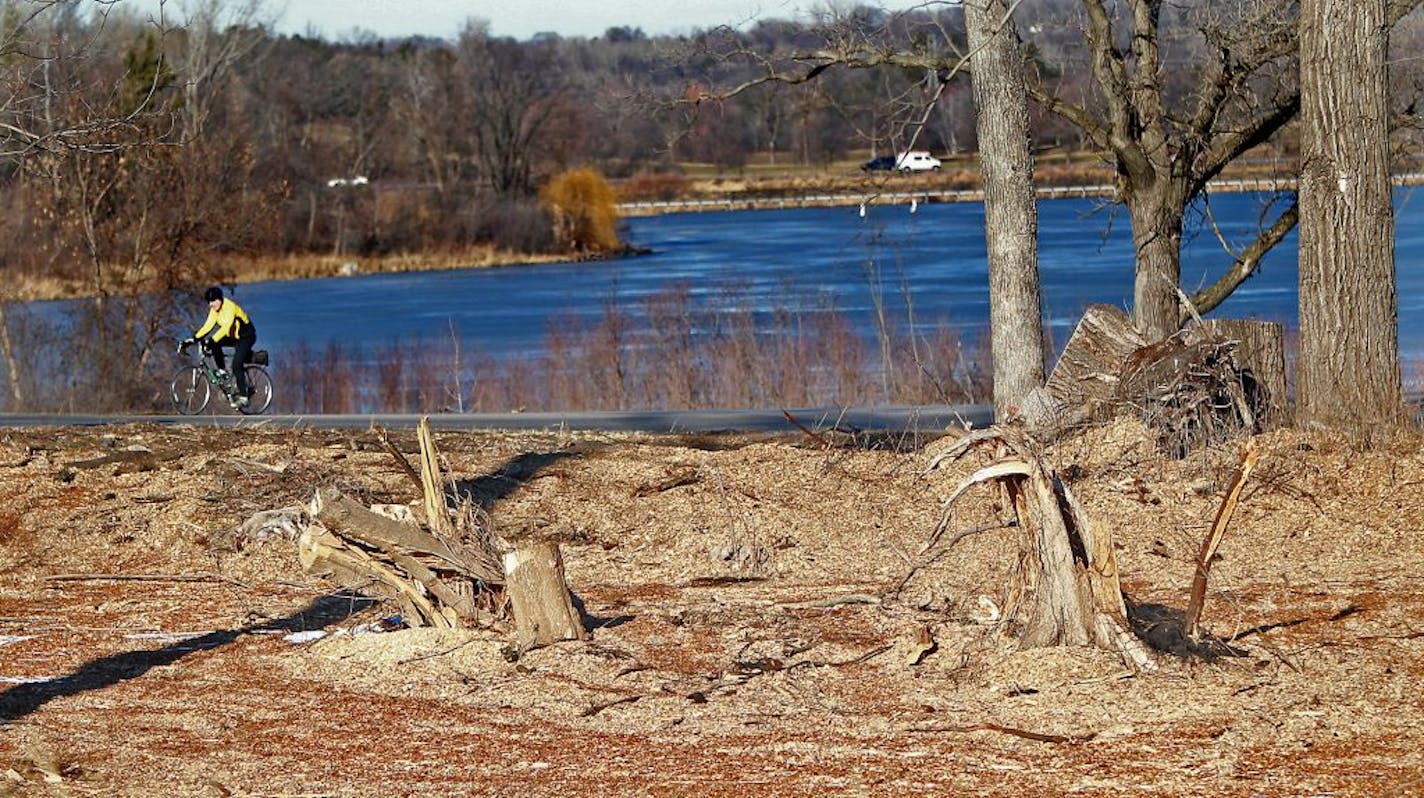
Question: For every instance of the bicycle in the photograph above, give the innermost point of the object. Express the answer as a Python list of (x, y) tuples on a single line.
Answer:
[(193, 385)]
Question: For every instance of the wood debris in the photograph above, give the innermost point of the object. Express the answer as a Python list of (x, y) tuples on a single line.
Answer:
[(450, 571), (1216, 381)]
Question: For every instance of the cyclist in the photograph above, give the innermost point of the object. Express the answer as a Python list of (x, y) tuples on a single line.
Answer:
[(228, 325)]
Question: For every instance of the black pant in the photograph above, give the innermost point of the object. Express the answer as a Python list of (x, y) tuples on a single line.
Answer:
[(241, 356)]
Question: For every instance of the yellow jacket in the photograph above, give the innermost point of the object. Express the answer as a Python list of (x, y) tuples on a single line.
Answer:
[(229, 321)]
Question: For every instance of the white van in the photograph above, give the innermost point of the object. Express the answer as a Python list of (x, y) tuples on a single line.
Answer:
[(917, 161)]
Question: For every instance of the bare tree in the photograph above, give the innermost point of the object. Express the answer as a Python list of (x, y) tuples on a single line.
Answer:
[(1166, 146), (216, 36), (515, 93), (1348, 366), (58, 103)]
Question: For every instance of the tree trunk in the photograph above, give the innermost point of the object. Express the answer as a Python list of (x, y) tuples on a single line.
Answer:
[(1157, 239), (1348, 366), (1010, 209), (12, 366), (543, 608)]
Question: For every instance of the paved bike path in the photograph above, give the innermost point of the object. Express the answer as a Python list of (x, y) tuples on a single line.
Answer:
[(893, 418)]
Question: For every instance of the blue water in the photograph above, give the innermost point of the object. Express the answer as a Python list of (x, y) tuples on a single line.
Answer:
[(931, 260)]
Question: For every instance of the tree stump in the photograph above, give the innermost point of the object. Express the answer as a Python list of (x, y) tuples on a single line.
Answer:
[(1065, 589), (1080, 387), (1261, 356), (543, 608), (1199, 386)]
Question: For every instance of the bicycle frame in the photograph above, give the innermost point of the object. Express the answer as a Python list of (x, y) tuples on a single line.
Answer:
[(198, 376), (209, 367)]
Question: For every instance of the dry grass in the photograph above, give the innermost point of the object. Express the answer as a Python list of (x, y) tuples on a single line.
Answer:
[(308, 266)]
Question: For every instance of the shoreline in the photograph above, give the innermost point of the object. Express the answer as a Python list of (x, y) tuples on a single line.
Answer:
[(248, 269), (912, 189)]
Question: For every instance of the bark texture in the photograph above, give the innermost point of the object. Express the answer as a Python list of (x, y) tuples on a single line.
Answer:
[(1348, 368), (544, 611), (1011, 213)]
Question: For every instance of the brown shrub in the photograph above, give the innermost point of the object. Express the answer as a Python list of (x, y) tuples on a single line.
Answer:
[(585, 211)]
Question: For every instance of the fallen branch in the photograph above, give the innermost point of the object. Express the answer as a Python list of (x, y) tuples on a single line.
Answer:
[(994, 727), (688, 476), (761, 667), (142, 456), (144, 578), (929, 556), (831, 603), (434, 654), (813, 435), (597, 708), (320, 548)]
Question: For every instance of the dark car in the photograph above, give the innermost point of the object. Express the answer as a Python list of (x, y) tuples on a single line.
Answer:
[(885, 163)]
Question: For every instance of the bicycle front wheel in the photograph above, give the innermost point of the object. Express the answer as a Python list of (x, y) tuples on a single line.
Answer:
[(260, 384), (191, 391)]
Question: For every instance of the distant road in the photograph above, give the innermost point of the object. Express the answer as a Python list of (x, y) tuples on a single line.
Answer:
[(895, 418), (822, 200)]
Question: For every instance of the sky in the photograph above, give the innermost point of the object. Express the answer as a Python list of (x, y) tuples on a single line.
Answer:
[(521, 19)]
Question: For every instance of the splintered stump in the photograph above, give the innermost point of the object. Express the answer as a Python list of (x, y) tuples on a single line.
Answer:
[(448, 571), (1065, 589), (544, 611)]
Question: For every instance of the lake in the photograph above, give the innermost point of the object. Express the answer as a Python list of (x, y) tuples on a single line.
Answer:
[(927, 262), (925, 266)]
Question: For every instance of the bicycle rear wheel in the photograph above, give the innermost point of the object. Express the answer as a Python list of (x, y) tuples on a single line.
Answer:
[(191, 391), (260, 384)]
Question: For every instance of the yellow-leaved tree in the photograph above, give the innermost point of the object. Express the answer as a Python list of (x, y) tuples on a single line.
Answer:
[(585, 211)]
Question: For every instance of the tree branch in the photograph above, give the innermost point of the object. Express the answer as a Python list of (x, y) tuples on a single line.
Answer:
[(1228, 146), (1111, 75), (1077, 115), (1245, 266)]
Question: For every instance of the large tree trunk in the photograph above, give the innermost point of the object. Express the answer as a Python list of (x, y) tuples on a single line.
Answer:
[(1348, 365), (1157, 238), (1010, 209)]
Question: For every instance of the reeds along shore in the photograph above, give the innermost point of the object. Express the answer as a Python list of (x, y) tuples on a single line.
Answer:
[(666, 356)]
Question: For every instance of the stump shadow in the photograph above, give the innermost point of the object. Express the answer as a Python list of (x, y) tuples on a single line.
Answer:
[(486, 491), (1164, 629), (22, 700)]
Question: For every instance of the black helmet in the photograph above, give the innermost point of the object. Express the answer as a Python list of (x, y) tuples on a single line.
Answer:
[(212, 293)]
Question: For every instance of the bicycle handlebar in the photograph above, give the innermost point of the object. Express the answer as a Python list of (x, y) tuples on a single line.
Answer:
[(184, 345)]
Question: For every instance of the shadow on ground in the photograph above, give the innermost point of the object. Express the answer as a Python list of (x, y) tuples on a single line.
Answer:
[(24, 699)]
